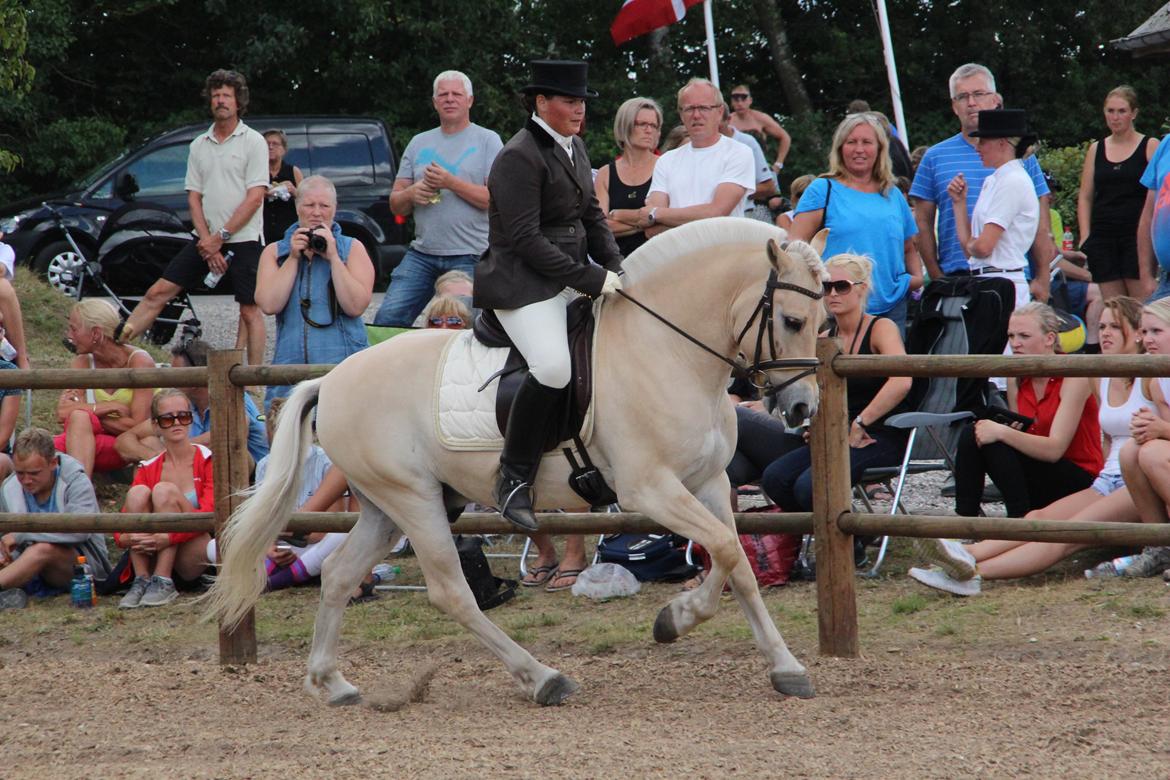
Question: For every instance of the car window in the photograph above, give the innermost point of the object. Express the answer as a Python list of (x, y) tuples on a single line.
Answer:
[(345, 158), (161, 172)]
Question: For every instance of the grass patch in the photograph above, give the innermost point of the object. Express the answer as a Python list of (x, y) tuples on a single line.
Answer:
[(1146, 611), (908, 605)]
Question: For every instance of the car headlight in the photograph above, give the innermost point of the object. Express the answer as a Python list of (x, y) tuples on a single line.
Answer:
[(11, 224)]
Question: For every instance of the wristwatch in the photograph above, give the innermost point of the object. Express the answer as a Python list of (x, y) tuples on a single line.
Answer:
[(859, 422), (225, 234), (651, 215)]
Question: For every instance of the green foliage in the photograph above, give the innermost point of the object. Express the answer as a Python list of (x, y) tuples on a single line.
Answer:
[(1064, 166), (16, 74), (68, 148)]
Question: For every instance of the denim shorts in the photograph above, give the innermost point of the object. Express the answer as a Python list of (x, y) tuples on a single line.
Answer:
[(1107, 483)]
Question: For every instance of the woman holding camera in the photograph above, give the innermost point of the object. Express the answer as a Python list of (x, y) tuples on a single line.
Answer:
[(317, 282)]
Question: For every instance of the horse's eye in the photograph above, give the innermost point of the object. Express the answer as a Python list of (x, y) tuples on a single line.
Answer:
[(794, 324)]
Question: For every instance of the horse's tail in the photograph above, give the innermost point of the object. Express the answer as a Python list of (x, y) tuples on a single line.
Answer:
[(255, 524)]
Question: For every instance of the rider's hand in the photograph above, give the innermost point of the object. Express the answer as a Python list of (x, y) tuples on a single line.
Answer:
[(613, 283)]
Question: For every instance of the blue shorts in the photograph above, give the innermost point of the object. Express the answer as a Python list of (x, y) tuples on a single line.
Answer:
[(1107, 483)]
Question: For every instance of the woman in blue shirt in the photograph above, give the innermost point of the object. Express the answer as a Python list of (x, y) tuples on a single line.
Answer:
[(866, 214)]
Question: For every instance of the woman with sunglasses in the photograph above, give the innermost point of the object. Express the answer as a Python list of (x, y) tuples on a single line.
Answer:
[(317, 282), (446, 312), (178, 479), (788, 481), (93, 419)]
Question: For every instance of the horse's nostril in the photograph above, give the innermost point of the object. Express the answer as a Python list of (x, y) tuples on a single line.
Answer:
[(796, 414)]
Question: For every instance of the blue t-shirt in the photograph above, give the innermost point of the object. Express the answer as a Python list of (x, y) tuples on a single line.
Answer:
[(36, 507), (870, 224), (941, 163), (1157, 179), (257, 435)]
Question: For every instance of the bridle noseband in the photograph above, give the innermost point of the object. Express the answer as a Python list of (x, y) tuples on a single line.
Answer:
[(756, 371)]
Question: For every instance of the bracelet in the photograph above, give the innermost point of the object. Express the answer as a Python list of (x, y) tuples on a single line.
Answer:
[(860, 424)]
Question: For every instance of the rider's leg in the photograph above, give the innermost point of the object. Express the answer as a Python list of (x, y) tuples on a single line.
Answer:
[(538, 331)]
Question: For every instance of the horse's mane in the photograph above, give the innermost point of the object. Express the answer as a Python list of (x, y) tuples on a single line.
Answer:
[(703, 234)]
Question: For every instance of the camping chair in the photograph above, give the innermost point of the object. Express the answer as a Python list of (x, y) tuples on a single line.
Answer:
[(958, 316)]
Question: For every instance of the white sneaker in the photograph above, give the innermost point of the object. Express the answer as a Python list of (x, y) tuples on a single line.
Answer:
[(948, 555), (940, 580), (160, 591)]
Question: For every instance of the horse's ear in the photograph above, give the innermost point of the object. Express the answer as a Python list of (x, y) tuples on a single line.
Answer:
[(776, 252), (819, 240)]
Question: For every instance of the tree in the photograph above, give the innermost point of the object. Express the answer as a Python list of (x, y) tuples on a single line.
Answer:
[(16, 74)]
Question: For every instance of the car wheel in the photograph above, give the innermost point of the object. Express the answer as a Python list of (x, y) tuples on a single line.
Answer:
[(61, 267)]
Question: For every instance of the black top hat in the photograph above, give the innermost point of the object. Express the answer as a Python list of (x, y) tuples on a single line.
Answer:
[(1003, 123), (560, 77)]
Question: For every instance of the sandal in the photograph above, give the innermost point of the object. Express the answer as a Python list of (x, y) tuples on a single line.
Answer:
[(879, 492), (540, 575), (367, 594), (562, 574)]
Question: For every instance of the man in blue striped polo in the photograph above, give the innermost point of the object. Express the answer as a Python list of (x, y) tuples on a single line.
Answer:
[(972, 89)]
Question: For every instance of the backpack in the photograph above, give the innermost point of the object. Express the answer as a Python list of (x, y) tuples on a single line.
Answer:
[(650, 557), (489, 590)]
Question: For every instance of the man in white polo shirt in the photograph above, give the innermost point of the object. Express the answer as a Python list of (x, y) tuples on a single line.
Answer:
[(227, 177), (708, 177)]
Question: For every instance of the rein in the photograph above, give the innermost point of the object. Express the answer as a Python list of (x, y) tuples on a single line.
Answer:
[(755, 371)]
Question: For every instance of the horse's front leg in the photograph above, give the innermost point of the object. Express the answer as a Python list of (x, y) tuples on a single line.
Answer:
[(788, 675), (343, 570)]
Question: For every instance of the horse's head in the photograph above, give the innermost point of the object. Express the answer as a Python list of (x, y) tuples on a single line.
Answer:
[(797, 316)]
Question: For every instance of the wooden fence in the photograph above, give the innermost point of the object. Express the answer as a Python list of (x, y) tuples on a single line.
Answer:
[(832, 520)]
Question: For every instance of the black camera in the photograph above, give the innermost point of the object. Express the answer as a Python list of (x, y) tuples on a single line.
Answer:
[(318, 243)]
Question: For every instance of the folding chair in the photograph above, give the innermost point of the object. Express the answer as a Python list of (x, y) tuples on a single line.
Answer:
[(958, 316)]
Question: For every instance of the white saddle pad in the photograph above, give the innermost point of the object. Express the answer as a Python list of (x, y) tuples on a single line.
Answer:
[(465, 416)]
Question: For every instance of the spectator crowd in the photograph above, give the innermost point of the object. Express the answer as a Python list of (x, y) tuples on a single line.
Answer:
[(976, 204)]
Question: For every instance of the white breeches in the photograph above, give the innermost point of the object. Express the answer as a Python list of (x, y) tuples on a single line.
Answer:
[(539, 331)]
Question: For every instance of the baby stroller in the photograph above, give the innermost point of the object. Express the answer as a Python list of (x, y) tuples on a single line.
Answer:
[(134, 247)]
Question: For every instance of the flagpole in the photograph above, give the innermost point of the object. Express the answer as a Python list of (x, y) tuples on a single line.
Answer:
[(892, 72), (709, 21)]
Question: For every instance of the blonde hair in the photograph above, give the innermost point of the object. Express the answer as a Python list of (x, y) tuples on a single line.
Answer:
[(623, 121), (858, 268), (1126, 93), (883, 171), (162, 395), (798, 186), (1046, 318), (446, 306), (1159, 308), (453, 276), (98, 313)]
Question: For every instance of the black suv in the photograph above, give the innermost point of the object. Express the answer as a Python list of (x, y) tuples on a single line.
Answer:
[(355, 153)]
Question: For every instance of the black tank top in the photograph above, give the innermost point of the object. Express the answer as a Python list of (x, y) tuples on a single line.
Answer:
[(860, 390), (623, 196), (279, 214), (1118, 196)]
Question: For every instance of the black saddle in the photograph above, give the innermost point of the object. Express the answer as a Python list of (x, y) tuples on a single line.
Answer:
[(577, 395)]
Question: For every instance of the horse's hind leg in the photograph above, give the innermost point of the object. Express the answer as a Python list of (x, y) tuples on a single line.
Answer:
[(448, 590), (368, 542)]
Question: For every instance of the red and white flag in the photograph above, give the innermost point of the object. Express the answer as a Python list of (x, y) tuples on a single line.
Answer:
[(638, 17)]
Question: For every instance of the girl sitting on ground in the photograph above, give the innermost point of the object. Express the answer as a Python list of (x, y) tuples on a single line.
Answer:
[(178, 479), (961, 568)]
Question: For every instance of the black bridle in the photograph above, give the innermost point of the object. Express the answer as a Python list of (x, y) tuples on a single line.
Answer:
[(756, 371)]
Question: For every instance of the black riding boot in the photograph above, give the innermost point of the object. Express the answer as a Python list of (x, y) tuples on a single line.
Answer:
[(523, 447)]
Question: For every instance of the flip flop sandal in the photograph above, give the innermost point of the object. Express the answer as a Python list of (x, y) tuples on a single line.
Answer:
[(562, 574), (367, 594), (540, 575)]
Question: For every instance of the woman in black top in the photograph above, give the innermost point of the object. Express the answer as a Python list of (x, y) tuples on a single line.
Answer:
[(283, 179), (1111, 200), (870, 400), (636, 128)]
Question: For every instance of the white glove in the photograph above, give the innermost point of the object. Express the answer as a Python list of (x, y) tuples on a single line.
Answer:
[(613, 283)]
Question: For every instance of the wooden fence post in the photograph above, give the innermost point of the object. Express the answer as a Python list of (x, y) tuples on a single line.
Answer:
[(836, 596), (229, 442)]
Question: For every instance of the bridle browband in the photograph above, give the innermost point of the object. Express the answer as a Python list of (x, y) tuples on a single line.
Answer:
[(756, 371)]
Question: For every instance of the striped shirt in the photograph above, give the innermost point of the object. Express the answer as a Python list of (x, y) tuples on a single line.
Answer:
[(941, 163)]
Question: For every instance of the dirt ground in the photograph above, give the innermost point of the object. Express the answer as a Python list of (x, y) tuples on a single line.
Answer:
[(1054, 676)]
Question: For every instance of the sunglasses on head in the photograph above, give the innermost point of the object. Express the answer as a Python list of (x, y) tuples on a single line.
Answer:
[(841, 287), (740, 96), (453, 321), (172, 419)]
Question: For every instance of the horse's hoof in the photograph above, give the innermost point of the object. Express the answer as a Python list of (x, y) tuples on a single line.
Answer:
[(797, 684), (346, 699), (664, 630), (555, 690)]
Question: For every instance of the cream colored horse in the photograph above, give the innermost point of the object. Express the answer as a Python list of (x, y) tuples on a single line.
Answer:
[(664, 432)]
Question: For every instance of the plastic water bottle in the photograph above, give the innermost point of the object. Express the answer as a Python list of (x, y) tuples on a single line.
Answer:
[(212, 278), (1066, 244), (1113, 568), (384, 572), (81, 591)]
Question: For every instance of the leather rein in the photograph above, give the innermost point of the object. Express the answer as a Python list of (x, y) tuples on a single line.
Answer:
[(756, 371)]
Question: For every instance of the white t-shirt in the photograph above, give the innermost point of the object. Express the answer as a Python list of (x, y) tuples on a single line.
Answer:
[(7, 262), (1008, 199), (224, 172), (689, 176)]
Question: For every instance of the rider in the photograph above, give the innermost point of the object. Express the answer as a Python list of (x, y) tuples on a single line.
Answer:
[(544, 224)]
